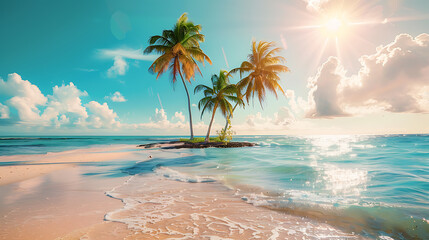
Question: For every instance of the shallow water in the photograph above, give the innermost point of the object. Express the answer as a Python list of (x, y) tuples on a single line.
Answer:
[(38, 145), (376, 186), (156, 207), (372, 185)]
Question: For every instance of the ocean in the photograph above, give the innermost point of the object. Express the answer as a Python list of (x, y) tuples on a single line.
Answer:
[(373, 186)]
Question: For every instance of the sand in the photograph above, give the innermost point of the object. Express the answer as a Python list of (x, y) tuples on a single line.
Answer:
[(39, 164), (46, 196), (55, 204)]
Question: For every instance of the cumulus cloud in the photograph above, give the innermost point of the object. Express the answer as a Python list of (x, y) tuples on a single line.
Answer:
[(280, 120), (394, 75), (393, 79), (4, 111), (283, 117), (159, 117), (63, 107), (116, 97), (179, 116), (120, 67), (25, 96), (65, 99), (160, 121), (102, 116), (322, 86)]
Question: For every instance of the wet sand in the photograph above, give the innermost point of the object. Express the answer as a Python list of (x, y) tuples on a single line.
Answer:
[(160, 208)]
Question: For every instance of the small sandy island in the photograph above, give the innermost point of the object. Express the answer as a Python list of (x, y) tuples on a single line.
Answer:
[(181, 144)]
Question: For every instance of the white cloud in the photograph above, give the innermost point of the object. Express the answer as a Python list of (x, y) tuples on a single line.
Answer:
[(393, 79), (194, 105), (160, 121), (290, 94), (323, 86), (128, 53), (120, 55), (65, 100), (179, 116), (281, 120), (102, 116), (25, 96), (283, 117), (63, 107), (394, 75), (4, 111), (159, 117), (117, 97), (62, 120), (120, 66)]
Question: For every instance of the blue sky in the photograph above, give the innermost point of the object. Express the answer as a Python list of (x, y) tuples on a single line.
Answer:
[(75, 67)]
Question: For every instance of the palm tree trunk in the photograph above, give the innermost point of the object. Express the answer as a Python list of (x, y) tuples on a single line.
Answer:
[(189, 105), (210, 125), (229, 117)]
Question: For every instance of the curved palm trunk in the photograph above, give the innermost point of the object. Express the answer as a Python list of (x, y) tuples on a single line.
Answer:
[(211, 122), (229, 117), (189, 105)]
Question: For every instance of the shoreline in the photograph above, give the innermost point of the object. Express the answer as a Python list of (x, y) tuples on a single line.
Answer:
[(163, 208), (184, 144), (129, 159)]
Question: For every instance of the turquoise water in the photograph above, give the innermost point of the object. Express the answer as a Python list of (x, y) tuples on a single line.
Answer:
[(41, 145), (371, 185)]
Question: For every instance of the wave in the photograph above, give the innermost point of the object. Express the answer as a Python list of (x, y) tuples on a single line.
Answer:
[(371, 220), (158, 207), (181, 177)]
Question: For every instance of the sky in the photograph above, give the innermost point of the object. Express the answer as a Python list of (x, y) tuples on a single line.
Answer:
[(78, 68)]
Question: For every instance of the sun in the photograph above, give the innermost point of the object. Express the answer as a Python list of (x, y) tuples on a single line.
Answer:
[(333, 26)]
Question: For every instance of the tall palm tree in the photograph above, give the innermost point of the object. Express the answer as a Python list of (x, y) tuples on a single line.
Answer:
[(180, 51), (217, 96), (262, 68)]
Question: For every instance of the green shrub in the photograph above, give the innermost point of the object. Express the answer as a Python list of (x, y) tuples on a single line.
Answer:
[(226, 136), (200, 139)]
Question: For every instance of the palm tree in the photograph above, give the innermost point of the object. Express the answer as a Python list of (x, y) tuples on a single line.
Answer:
[(263, 67), (218, 96), (180, 51)]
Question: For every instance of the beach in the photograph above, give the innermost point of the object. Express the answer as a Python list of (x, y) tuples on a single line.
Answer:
[(123, 192), (55, 203)]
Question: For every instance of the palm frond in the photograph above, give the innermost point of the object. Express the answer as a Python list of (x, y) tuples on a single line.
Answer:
[(160, 49), (200, 88)]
